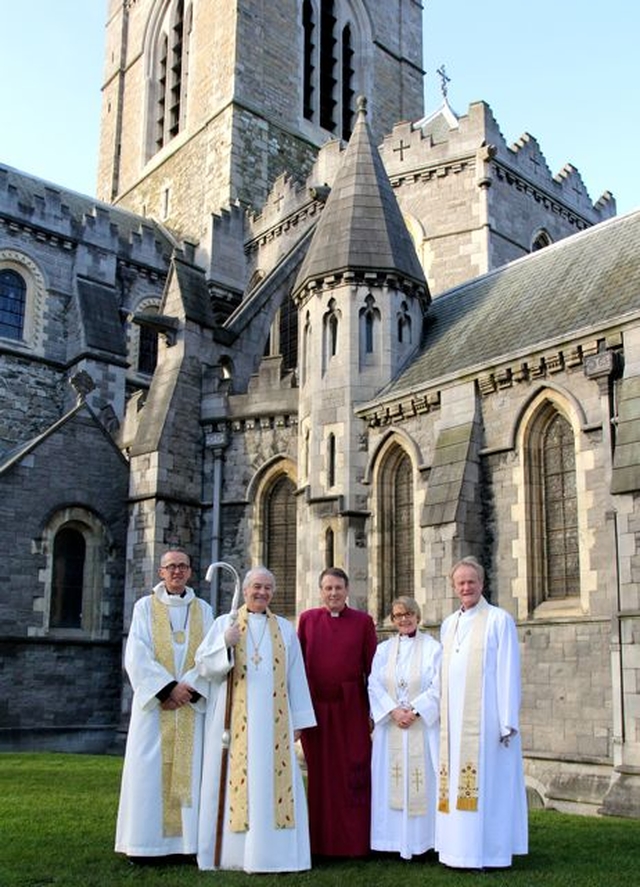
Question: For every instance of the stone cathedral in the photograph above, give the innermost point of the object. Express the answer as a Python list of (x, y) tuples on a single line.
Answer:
[(306, 324)]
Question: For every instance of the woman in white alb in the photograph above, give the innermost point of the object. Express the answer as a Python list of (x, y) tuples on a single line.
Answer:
[(404, 688)]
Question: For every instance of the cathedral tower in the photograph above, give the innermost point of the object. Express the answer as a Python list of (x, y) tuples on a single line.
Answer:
[(206, 103)]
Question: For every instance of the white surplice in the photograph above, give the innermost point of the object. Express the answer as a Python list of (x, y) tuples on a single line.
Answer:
[(263, 848), (395, 830), (139, 830), (490, 836)]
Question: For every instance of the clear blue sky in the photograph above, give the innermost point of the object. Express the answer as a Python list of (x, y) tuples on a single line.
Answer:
[(567, 73)]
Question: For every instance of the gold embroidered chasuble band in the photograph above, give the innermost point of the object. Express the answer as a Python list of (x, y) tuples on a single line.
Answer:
[(417, 783), (177, 727), (283, 813), (468, 777)]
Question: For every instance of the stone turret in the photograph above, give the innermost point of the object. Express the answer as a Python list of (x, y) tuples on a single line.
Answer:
[(361, 295)]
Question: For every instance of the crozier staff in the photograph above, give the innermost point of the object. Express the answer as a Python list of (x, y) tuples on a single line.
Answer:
[(482, 809), (265, 824)]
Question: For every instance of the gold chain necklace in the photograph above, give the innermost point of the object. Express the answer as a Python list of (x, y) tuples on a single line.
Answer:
[(180, 634), (256, 658)]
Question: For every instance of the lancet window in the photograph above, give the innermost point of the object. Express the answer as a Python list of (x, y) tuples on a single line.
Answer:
[(279, 542), (397, 524), (328, 65), (172, 72)]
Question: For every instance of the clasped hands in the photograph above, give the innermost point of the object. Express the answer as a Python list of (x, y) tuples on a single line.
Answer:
[(403, 717), (179, 696)]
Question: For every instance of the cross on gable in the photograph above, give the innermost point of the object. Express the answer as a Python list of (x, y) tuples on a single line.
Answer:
[(401, 148)]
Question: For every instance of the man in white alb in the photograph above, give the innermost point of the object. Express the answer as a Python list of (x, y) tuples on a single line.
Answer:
[(158, 811), (482, 809), (263, 825)]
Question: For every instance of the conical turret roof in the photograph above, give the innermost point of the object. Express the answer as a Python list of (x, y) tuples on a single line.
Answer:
[(361, 229)]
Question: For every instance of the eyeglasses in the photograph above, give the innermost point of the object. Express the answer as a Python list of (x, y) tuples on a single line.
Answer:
[(178, 568), (396, 617)]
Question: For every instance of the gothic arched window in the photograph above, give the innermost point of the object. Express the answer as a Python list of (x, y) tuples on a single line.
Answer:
[(554, 548), (67, 581), (369, 318), (560, 511), (330, 325), (148, 347), (76, 544), (172, 71), (13, 299), (328, 65), (280, 536), (404, 325), (288, 328), (397, 523)]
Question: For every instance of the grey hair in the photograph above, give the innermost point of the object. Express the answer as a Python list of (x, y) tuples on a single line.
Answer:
[(410, 604), (468, 562), (253, 572)]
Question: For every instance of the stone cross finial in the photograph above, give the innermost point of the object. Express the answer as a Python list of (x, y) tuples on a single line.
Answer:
[(444, 79)]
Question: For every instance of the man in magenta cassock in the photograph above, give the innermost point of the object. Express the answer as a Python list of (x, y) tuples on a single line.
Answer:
[(338, 644)]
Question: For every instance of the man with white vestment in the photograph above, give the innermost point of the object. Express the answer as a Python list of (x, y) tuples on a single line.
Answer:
[(404, 694), (158, 810), (482, 809), (265, 826)]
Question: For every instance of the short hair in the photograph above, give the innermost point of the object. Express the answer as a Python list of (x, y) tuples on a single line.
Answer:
[(178, 549), (409, 603), (246, 582), (338, 572), (469, 561)]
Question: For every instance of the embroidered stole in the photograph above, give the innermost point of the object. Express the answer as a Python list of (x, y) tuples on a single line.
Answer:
[(416, 778), (283, 813), (177, 728), (468, 778)]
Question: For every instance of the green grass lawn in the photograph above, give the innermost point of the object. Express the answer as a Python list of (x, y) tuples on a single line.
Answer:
[(57, 820)]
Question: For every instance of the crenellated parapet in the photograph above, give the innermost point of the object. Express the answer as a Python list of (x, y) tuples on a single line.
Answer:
[(443, 144), (291, 206), (60, 217)]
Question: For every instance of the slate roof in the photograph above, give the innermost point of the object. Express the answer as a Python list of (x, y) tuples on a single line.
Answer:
[(361, 228), (587, 281)]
